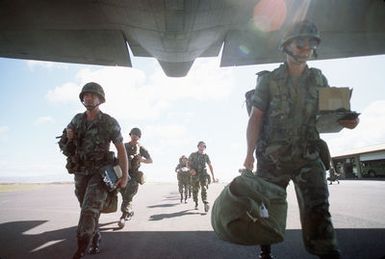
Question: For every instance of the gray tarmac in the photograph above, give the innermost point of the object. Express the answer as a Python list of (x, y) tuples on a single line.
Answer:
[(40, 222)]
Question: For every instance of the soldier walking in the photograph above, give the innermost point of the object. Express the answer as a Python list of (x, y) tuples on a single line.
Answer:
[(184, 178), (282, 132), (86, 143), (136, 154), (333, 176), (200, 178)]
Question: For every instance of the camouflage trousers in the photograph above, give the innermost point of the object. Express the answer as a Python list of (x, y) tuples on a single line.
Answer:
[(92, 194), (128, 194), (200, 181), (184, 185), (312, 193)]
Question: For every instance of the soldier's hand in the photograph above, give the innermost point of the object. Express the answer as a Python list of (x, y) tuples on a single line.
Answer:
[(122, 182), (249, 163), (119, 184), (350, 124), (70, 134)]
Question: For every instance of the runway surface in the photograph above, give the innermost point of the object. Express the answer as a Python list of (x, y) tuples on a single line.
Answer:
[(40, 222)]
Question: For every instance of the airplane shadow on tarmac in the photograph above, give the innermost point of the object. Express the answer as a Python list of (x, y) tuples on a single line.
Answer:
[(61, 243)]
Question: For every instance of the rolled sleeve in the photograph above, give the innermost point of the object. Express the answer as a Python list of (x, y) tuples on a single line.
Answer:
[(261, 95), (116, 137)]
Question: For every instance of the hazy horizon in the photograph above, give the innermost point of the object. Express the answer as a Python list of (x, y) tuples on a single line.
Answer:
[(40, 98)]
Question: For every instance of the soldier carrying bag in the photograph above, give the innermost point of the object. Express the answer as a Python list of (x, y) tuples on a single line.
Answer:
[(324, 153), (250, 211)]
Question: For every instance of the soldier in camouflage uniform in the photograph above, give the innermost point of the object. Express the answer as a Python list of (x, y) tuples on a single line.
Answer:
[(86, 143), (282, 132), (184, 178), (200, 178), (136, 154)]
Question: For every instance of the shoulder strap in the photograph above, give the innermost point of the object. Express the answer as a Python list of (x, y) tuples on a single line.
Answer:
[(318, 78), (249, 94)]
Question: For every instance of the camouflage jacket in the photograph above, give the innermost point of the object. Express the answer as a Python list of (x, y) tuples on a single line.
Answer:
[(290, 108), (133, 151), (90, 148), (198, 161), (182, 168)]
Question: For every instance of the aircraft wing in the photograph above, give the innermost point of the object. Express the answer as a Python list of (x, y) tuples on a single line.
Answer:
[(348, 28), (176, 32)]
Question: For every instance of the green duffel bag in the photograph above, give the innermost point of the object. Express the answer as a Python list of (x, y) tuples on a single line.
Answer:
[(250, 211)]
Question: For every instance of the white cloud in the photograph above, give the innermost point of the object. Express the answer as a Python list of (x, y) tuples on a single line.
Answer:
[(44, 120), (131, 94), (66, 93), (111, 77), (127, 95), (172, 134), (205, 81), (370, 131)]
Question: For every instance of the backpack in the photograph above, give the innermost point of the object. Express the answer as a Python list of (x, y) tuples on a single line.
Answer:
[(250, 211), (249, 94)]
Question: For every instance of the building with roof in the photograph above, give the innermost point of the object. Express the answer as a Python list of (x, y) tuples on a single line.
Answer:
[(365, 162)]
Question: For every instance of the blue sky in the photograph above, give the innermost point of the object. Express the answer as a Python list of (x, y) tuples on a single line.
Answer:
[(38, 99)]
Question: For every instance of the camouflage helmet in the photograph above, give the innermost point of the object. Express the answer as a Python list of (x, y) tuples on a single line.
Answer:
[(136, 131), (93, 88), (181, 159), (300, 29), (200, 143)]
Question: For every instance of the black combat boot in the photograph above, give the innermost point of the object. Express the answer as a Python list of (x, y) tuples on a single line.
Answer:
[(265, 252), (122, 220), (125, 217), (82, 247), (95, 245)]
